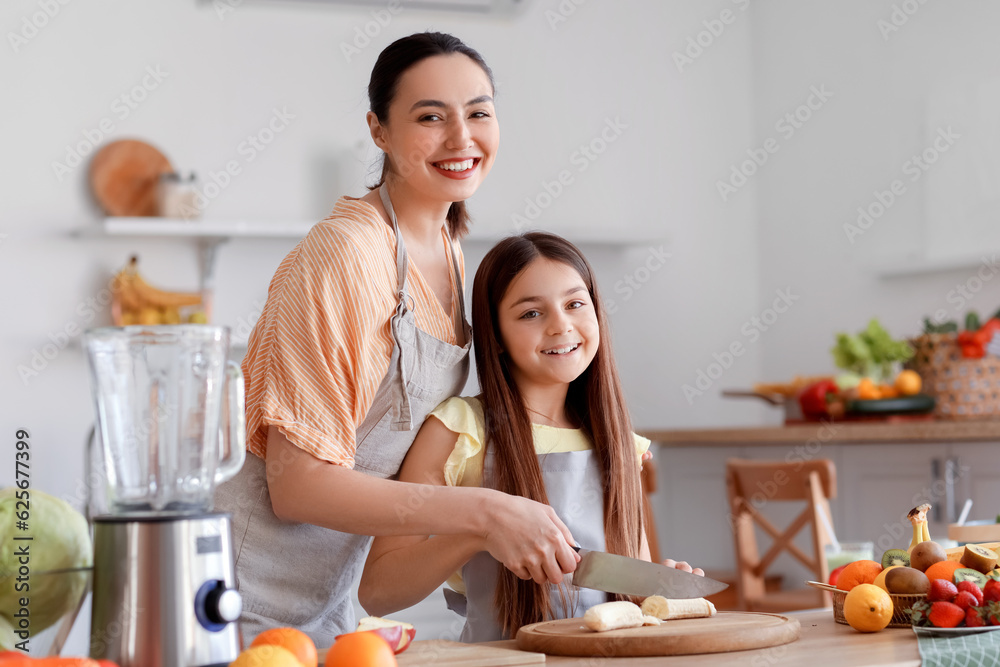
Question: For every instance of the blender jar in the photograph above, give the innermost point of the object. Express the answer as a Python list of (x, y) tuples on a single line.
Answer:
[(162, 395)]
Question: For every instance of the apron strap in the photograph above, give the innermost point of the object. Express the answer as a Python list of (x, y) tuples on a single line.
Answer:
[(402, 417)]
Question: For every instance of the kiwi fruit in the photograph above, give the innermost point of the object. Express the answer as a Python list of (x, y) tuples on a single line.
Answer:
[(979, 558), (968, 574), (895, 557), (907, 580), (926, 554)]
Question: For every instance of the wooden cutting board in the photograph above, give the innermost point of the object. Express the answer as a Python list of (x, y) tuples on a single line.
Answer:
[(440, 652), (726, 631), (124, 176)]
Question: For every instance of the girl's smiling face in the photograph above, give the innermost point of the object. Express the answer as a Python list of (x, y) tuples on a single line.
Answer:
[(548, 325), (441, 136)]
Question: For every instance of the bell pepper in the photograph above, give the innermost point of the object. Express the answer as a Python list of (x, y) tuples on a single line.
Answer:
[(821, 399)]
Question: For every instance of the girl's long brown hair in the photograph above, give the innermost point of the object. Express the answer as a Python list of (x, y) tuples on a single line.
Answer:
[(594, 400)]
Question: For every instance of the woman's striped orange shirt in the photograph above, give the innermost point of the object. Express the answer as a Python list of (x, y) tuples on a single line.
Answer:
[(322, 344)]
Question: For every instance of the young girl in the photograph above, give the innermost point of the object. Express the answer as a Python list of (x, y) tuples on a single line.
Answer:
[(550, 424)]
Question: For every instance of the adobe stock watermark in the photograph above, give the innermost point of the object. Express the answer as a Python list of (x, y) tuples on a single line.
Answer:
[(364, 34), (121, 108), (751, 330), (914, 167), (244, 326), (786, 126), (581, 159), (704, 39), (964, 292), (562, 12), (86, 312), (766, 490), (35, 23), (249, 149), (898, 17), (632, 282)]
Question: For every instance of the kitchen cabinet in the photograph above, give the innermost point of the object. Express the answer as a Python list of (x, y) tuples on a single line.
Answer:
[(982, 483)]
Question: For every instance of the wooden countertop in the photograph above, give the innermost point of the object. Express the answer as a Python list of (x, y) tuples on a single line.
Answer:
[(844, 433), (822, 642)]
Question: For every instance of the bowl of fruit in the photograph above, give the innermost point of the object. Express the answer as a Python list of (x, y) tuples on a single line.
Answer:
[(924, 585)]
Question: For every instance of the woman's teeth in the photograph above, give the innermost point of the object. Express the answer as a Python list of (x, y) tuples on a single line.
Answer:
[(455, 166), (562, 350)]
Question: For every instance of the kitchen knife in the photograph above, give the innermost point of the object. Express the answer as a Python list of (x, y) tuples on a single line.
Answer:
[(630, 576)]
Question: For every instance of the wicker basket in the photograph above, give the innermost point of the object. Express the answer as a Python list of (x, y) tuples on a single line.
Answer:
[(963, 388), (901, 605)]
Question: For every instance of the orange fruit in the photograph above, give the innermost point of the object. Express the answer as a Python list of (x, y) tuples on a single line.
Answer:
[(294, 641), (943, 570), (867, 608), (887, 391), (880, 579), (265, 655), (908, 383), (360, 649), (858, 572), (867, 390)]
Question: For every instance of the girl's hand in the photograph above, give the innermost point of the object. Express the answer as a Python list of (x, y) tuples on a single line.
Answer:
[(646, 455), (529, 539), (682, 565)]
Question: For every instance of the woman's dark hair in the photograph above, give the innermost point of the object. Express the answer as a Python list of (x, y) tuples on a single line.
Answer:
[(595, 401), (392, 63)]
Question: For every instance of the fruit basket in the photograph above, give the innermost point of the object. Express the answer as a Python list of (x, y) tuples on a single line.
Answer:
[(964, 388), (901, 605)]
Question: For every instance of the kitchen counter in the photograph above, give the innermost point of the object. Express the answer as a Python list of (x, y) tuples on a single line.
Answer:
[(822, 642), (842, 433)]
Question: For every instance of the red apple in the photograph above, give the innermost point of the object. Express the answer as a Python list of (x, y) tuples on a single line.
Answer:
[(834, 574), (396, 634)]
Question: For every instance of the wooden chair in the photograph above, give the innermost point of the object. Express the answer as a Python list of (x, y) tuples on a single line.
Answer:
[(752, 485)]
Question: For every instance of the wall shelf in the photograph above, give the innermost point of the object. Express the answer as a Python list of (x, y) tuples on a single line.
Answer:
[(915, 266), (209, 234)]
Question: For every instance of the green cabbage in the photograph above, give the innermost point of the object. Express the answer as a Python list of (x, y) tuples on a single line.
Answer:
[(60, 539), (7, 636)]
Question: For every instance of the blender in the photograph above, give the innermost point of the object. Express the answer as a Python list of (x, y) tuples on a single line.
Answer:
[(170, 425)]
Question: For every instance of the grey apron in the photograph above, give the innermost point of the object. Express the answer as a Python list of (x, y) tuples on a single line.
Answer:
[(298, 574), (574, 489)]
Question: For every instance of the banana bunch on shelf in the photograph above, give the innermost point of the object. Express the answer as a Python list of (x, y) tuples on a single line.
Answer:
[(137, 302)]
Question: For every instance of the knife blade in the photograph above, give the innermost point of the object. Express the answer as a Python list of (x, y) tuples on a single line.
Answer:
[(612, 573)]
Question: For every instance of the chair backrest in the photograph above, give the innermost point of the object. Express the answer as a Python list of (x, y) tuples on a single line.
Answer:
[(751, 485)]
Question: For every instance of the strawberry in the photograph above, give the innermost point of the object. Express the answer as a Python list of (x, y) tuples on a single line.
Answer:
[(993, 613), (991, 591), (945, 614), (942, 590), (965, 599), (974, 617), (971, 587)]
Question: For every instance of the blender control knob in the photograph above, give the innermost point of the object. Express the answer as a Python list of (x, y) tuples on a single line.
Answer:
[(224, 605), (217, 605)]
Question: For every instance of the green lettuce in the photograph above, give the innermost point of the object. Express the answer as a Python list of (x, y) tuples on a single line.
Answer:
[(870, 353)]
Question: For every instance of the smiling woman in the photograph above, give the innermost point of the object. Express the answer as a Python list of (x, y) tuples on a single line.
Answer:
[(362, 335)]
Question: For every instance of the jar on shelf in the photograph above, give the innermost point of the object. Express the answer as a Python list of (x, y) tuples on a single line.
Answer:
[(178, 197)]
